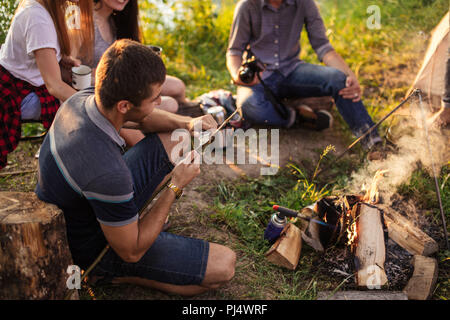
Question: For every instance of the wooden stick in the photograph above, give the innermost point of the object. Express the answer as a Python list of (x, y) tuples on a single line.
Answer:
[(14, 173)]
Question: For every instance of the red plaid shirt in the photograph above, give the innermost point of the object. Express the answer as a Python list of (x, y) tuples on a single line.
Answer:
[(12, 91)]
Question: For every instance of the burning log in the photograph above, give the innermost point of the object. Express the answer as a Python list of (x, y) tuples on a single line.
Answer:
[(370, 250), (410, 238), (423, 281)]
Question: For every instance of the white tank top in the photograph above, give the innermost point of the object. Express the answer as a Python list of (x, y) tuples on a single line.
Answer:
[(32, 28)]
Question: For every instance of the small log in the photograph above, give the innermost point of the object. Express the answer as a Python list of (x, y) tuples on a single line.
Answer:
[(423, 281), (409, 237), (362, 295), (315, 103), (34, 254), (310, 231), (370, 252), (285, 252), (311, 237)]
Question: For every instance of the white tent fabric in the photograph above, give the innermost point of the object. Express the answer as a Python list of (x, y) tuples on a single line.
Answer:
[(430, 78)]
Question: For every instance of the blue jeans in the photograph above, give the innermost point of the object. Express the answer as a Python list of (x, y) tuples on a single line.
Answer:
[(171, 258), (30, 108), (307, 80)]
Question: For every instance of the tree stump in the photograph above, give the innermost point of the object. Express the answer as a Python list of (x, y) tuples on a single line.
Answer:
[(315, 103), (34, 253)]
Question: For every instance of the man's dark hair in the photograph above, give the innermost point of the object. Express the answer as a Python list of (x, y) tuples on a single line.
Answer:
[(126, 71)]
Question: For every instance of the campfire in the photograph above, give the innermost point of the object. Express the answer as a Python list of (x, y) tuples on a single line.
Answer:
[(373, 242)]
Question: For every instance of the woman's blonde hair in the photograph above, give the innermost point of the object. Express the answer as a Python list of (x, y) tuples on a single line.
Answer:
[(71, 39)]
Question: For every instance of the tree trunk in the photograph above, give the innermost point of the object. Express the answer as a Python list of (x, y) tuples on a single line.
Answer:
[(370, 250), (34, 254)]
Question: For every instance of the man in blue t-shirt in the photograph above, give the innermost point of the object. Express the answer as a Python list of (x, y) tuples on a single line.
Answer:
[(84, 170)]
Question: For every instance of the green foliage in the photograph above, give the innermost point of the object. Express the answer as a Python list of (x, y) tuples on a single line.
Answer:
[(194, 41), (247, 206), (6, 13), (421, 188), (32, 129), (372, 53)]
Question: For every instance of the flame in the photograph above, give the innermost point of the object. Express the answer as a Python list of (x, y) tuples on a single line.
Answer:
[(372, 194), (352, 234)]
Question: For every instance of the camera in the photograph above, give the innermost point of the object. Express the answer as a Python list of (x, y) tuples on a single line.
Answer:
[(249, 67)]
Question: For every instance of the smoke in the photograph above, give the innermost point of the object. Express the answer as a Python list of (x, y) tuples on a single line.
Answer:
[(409, 135)]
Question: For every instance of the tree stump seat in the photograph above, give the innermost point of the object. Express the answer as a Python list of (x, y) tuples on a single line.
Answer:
[(34, 253)]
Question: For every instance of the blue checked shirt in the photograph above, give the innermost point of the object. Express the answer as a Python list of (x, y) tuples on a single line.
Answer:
[(274, 34)]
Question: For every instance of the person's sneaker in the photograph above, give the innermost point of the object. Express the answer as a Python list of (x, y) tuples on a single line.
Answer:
[(317, 120)]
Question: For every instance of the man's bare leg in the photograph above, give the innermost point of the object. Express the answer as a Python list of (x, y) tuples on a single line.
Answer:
[(219, 270)]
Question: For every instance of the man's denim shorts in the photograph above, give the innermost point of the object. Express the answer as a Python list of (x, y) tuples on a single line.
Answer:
[(172, 258)]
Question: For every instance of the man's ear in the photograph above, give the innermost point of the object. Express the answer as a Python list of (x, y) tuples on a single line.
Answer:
[(123, 106)]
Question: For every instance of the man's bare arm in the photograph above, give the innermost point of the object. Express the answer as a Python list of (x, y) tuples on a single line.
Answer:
[(163, 121), (352, 90), (131, 241)]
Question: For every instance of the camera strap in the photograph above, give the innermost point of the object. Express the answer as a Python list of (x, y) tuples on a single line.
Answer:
[(273, 98)]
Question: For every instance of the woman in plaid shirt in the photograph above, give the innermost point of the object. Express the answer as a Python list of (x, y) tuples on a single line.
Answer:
[(31, 85)]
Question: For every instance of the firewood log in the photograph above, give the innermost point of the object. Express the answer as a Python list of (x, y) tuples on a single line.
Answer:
[(285, 252), (34, 254), (423, 281), (370, 250), (361, 295), (406, 235)]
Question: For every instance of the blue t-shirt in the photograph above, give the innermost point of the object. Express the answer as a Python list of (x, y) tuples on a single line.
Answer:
[(82, 171)]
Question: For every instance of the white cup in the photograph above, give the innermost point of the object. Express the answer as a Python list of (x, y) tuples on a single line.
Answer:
[(156, 49), (81, 77)]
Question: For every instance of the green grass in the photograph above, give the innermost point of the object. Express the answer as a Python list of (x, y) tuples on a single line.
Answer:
[(385, 61), (246, 206)]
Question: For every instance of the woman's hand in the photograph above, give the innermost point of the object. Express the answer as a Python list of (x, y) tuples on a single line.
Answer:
[(66, 64)]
